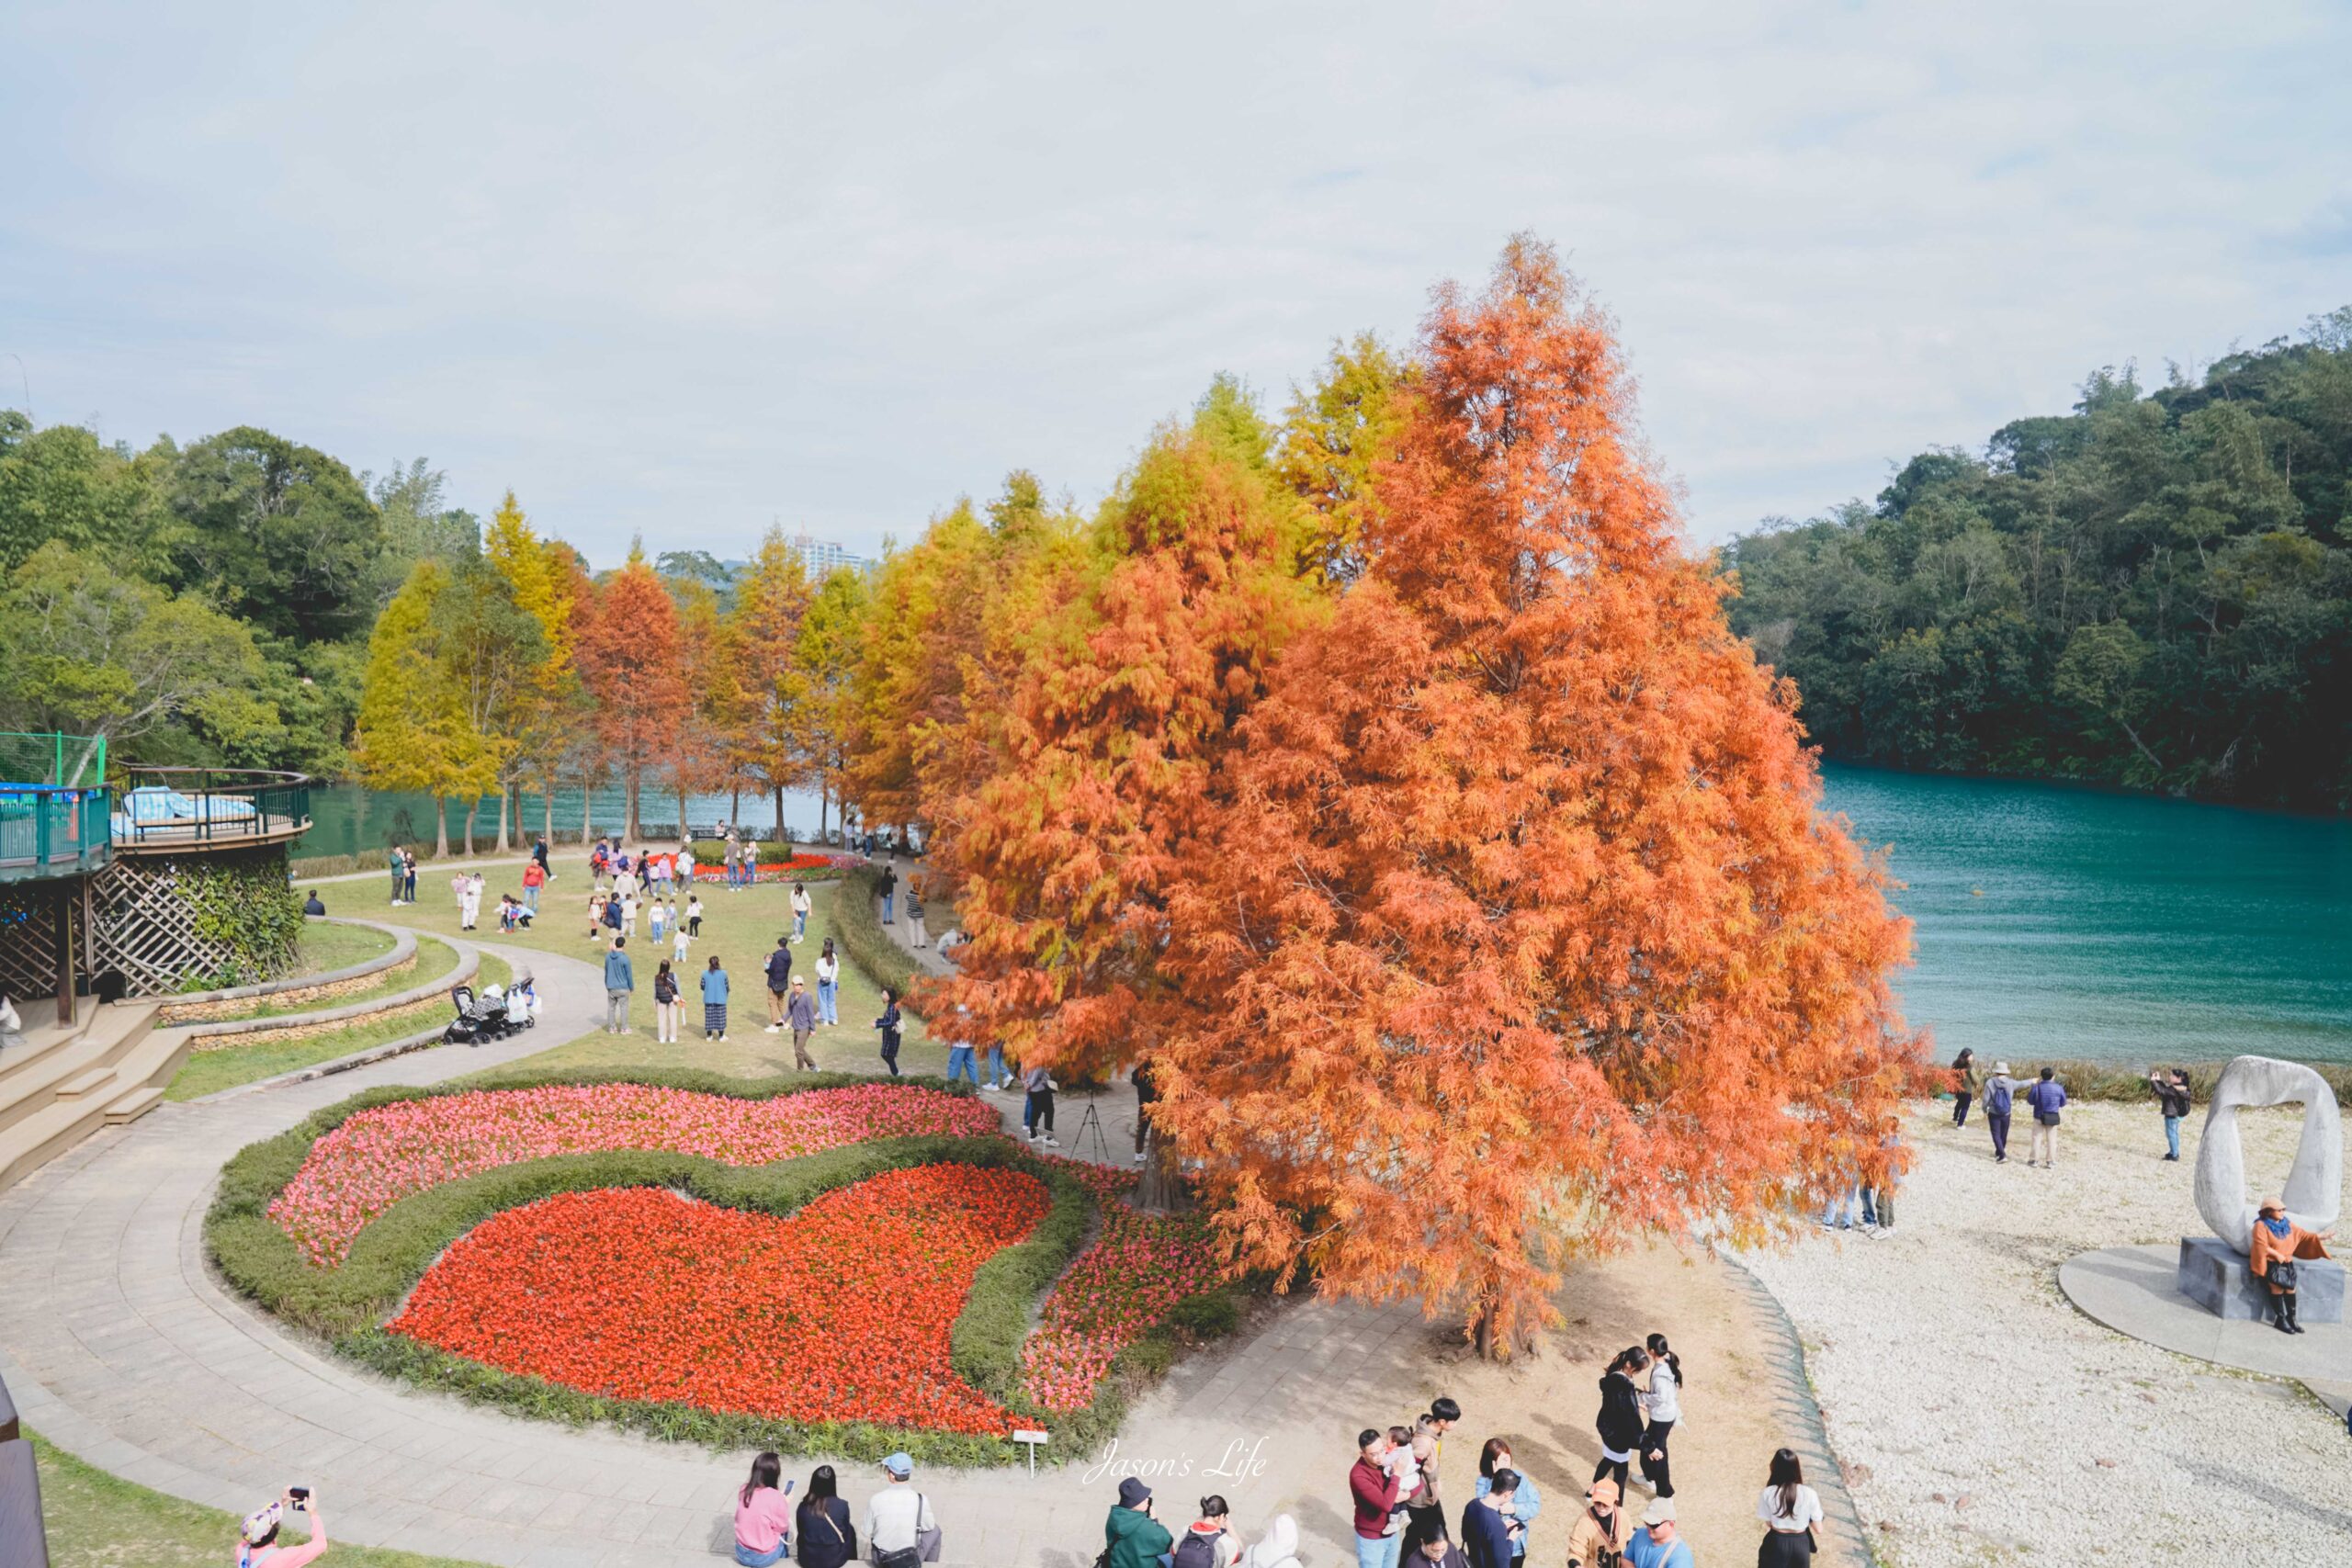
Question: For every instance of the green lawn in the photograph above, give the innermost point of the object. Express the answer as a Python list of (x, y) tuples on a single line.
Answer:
[(327, 946), (209, 1071), (434, 959), (97, 1520), (740, 928)]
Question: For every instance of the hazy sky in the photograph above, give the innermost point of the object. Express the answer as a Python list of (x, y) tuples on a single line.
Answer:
[(682, 269)]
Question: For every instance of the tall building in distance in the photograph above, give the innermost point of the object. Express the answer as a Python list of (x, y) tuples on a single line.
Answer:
[(820, 557)]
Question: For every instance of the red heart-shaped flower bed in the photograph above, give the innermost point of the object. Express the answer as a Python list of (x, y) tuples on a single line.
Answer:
[(840, 1312)]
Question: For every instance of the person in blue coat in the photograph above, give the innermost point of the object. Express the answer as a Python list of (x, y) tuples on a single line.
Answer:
[(714, 1001), (1494, 1459), (620, 980)]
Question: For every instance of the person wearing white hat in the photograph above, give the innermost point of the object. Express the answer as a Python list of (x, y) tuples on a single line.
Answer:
[(258, 1538), (1658, 1544), (2000, 1096)]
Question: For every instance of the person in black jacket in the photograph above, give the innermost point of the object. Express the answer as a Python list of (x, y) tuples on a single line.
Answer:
[(888, 1024), (779, 983), (823, 1525), (2172, 1099), (1621, 1415)]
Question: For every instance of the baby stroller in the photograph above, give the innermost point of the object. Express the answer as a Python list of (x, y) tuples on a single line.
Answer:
[(486, 1017)]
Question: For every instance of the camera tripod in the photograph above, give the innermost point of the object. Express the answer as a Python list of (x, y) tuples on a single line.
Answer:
[(1091, 1123)]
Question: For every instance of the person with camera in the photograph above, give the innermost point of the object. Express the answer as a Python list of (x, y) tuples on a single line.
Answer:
[(257, 1544), (1131, 1538)]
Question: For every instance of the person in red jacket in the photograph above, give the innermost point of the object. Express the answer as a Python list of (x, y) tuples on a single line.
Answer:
[(1374, 1491)]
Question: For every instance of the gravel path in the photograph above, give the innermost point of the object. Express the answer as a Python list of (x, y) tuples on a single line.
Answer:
[(1982, 1420)]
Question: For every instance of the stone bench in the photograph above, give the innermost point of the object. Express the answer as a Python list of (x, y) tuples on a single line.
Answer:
[(2215, 1276)]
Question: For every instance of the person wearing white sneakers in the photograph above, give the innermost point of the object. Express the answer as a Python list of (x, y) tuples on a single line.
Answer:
[(1038, 1114)]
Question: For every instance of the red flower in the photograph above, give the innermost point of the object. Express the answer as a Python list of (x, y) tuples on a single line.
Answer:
[(840, 1312)]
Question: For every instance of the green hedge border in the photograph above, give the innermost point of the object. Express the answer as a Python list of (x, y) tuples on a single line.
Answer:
[(347, 1305), (862, 938)]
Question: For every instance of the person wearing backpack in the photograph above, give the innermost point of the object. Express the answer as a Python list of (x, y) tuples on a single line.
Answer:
[(1131, 1536), (2048, 1098), (1210, 1543), (2000, 1096)]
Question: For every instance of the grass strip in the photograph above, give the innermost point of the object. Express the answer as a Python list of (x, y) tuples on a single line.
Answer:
[(97, 1520), (208, 1072)]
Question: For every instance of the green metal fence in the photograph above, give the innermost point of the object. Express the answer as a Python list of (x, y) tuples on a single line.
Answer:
[(51, 832), (61, 761)]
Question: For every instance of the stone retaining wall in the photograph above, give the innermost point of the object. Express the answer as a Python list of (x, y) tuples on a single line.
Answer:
[(325, 990), (297, 1029)]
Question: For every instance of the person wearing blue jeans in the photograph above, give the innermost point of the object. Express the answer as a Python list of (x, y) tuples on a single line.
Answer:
[(829, 985), (1839, 1212), (959, 1051), (2172, 1099), (998, 1077)]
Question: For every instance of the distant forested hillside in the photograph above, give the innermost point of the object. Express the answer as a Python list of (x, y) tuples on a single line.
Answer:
[(2154, 590)]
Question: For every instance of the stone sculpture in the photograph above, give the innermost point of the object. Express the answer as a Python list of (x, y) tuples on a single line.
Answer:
[(2214, 1273), (2314, 1186)]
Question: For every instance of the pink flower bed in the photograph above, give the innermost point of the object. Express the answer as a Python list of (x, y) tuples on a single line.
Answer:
[(382, 1155), (1140, 1266)]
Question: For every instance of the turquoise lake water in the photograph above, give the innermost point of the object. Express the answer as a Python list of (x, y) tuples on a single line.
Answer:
[(2053, 921), (2050, 921)]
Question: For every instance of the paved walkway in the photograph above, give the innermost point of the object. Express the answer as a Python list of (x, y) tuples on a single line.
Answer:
[(123, 1349)]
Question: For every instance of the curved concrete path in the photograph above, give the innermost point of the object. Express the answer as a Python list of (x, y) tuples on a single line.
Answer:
[(122, 1349)]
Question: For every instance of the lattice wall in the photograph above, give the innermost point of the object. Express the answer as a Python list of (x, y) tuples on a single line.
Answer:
[(144, 930), (28, 917)]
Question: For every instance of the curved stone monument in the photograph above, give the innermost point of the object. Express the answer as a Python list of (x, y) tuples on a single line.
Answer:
[(2217, 1276)]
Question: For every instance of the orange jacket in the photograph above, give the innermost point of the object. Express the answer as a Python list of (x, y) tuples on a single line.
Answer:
[(2297, 1243)]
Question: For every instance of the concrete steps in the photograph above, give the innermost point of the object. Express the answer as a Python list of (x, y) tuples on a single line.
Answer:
[(109, 1068)]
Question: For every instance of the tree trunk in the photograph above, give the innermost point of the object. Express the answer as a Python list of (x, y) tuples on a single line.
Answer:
[(779, 814), (735, 805), (683, 836), (633, 788), (440, 829), (587, 813), (547, 805), (506, 799), (473, 809), (1162, 1188)]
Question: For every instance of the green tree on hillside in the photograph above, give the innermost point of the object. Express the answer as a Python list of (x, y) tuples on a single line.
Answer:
[(279, 534), (2154, 589), (85, 649)]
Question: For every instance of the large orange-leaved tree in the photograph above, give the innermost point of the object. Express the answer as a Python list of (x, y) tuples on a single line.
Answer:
[(1123, 708), (627, 648), (1519, 931)]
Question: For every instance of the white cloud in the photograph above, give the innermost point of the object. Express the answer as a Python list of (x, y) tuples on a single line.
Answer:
[(682, 270)]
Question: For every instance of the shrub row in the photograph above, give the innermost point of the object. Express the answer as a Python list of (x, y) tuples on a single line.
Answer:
[(857, 922), (2110, 1081), (348, 1304)]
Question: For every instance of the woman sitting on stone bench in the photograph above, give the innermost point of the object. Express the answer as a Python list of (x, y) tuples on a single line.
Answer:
[(2278, 1242)]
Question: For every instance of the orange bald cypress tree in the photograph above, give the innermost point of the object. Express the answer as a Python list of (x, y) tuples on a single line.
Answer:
[(627, 653), (1520, 932), (1121, 713)]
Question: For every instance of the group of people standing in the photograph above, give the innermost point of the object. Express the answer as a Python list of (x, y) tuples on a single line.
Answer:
[(2045, 1097), (1400, 1511)]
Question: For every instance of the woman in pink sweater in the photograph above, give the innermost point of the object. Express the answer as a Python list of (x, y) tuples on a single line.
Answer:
[(257, 1544)]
